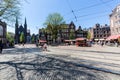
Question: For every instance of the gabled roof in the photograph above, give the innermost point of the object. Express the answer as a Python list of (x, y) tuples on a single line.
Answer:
[(72, 23)]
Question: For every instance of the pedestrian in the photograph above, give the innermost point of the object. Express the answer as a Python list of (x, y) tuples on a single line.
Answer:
[(45, 47), (41, 44), (117, 44), (102, 43), (71, 43), (36, 44), (1, 46)]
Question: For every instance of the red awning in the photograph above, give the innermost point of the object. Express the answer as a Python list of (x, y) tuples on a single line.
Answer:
[(113, 37), (42, 41), (80, 39), (67, 40), (109, 38)]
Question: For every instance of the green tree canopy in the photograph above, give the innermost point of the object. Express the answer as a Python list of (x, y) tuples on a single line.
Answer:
[(33, 38), (10, 9), (22, 37), (71, 35), (10, 37), (88, 35), (54, 19), (53, 23)]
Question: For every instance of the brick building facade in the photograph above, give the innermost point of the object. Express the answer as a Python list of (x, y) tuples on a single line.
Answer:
[(115, 21), (100, 32), (66, 32), (80, 33)]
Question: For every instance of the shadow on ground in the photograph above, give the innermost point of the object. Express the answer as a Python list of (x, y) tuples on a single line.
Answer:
[(21, 50), (47, 68)]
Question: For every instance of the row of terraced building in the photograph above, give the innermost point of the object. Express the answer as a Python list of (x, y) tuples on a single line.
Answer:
[(97, 32)]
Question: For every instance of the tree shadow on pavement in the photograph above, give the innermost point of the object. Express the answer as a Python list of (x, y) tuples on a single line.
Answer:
[(50, 68), (21, 50)]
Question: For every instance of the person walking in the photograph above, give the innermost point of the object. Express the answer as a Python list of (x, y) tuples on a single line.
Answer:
[(45, 47), (1, 46), (117, 43), (102, 43)]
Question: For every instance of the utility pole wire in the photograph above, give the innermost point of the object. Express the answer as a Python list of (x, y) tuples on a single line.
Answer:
[(109, 6), (101, 12), (90, 18), (71, 10), (74, 15), (93, 17), (94, 5), (90, 6)]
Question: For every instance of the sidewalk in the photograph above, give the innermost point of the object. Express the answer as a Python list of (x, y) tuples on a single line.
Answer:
[(25, 45)]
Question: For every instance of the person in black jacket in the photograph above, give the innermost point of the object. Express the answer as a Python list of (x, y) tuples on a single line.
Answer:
[(1, 46), (102, 43)]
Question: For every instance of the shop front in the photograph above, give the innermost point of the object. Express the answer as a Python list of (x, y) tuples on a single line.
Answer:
[(113, 40), (82, 42)]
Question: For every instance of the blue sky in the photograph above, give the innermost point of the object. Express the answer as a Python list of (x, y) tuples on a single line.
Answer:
[(88, 12)]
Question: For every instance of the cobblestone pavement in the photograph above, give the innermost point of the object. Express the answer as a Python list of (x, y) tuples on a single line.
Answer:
[(31, 63)]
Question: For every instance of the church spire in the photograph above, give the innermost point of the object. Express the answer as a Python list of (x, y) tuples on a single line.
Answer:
[(16, 30), (16, 24), (25, 24), (25, 30)]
